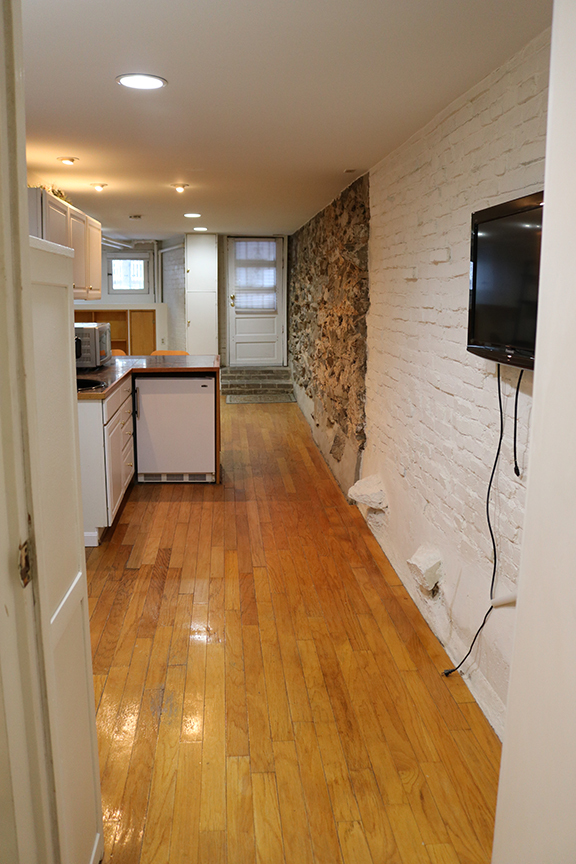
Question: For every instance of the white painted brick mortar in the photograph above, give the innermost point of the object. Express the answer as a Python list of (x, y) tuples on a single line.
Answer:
[(432, 409), (173, 287)]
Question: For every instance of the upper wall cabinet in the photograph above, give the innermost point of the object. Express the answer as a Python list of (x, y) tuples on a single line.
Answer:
[(55, 220)]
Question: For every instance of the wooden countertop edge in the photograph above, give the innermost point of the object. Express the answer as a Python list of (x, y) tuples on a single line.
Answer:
[(168, 366)]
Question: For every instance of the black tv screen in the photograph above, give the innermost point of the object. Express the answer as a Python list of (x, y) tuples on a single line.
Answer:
[(504, 272)]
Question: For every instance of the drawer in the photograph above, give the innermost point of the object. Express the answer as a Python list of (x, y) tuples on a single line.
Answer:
[(127, 463), (127, 427), (118, 396)]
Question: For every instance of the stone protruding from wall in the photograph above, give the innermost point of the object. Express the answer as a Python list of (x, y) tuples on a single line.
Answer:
[(328, 302), (426, 567), (370, 493)]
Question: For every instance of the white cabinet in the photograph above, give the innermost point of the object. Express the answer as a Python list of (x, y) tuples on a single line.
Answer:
[(55, 220), (106, 457), (201, 293), (78, 243), (119, 450), (94, 262)]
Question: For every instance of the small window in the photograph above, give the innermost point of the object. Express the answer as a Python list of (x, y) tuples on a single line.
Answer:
[(128, 273)]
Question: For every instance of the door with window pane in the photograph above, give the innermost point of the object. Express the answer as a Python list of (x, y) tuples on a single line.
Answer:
[(256, 302)]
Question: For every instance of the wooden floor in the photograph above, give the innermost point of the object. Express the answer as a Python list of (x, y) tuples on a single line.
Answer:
[(266, 690)]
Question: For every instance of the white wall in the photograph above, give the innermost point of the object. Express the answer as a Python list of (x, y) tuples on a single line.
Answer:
[(432, 409), (174, 295), (537, 797)]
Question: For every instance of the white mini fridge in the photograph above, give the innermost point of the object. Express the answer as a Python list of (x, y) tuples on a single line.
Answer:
[(175, 428)]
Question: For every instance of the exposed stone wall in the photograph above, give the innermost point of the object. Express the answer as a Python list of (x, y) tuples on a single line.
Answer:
[(327, 306), (432, 408)]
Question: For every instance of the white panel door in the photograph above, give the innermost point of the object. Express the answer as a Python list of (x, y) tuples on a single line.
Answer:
[(61, 589), (202, 293), (256, 302), (202, 321)]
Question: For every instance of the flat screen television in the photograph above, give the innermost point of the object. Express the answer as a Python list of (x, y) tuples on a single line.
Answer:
[(504, 271)]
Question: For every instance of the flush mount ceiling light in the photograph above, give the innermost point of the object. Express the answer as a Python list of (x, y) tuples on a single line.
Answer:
[(141, 81), (68, 160), (179, 187), (192, 215), (200, 229), (98, 187)]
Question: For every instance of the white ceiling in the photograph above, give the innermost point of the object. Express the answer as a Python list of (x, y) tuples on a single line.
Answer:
[(268, 102)]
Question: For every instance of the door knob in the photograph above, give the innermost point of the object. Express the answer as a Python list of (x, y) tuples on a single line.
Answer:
[(232, 298)]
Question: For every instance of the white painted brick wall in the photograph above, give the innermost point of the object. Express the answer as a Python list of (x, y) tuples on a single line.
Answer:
[(432, 408), (173, 287)]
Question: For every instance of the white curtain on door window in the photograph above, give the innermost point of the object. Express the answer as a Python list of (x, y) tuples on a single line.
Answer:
[(255, 275)]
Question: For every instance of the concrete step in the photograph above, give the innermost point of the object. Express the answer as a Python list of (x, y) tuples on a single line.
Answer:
[(234, 373), (256, 380)]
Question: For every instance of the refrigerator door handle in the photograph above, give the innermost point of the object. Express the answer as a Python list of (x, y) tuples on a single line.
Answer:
[(137, 394)]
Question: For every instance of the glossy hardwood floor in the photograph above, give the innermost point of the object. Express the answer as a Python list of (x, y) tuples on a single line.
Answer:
[(266, 690)]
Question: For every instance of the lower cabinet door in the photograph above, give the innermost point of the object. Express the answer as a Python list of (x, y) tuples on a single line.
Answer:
[(114, 465), (127, 464)]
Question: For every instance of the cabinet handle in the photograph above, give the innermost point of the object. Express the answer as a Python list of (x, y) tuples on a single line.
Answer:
[(130, 464)]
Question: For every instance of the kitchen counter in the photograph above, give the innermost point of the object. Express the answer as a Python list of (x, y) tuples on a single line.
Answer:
[(114, 439), (115, 370)]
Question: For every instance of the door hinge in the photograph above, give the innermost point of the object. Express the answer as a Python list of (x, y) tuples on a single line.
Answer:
[(24, 563)]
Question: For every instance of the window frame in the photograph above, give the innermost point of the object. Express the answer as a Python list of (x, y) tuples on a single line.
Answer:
[(131, 255)]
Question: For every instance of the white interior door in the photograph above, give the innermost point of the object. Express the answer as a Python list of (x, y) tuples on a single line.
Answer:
[(256, 301), (62, 597)]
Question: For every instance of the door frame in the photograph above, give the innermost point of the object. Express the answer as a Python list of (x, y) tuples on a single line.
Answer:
[(281, 293)]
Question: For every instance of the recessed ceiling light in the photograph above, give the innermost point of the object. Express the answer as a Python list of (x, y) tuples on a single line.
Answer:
[(200, 229), (192, 215), (179, 187), (98, 187), (68, 160), (141, 81)]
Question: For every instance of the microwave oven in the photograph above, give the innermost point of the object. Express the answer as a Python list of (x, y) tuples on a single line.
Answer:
[(93, 345)]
